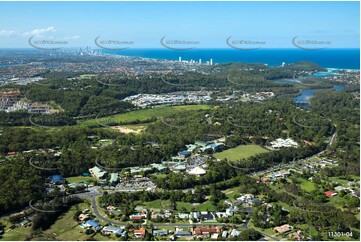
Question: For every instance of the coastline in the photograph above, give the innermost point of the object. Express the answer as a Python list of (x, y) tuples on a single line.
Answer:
[(265, 56)]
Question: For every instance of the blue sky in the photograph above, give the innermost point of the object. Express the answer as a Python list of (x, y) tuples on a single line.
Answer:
[(209, 23)]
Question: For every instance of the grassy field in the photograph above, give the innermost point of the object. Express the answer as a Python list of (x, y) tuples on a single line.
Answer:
[(162, 205), (66, 228), (17, 234), (80, 179), (206, 206), (306, 185), (314, 159), (158, 205), (343, 181), (136, 127), (268, 231), (231, 192), (337, 201), (86, 76), (143, 115), (240, 152)]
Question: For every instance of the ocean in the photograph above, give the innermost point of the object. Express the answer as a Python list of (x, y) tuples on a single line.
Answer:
[(335, 58)]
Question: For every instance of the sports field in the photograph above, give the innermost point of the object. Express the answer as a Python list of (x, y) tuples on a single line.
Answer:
[(240, 152)]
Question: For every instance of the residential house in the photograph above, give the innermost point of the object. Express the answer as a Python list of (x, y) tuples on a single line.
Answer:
[(108, 230), (296, 235), (136, 217), (229, 212), (207, 216), (111, 208), (214, 236), (330, 193), (25, 223), (139, 233), (156, 215), (206, 232), (183, 215), (91, 223), (83, 217), (340, 188), (116, 212), (246, 199), (181, 233), (235, 233), (283, 228), (229, 203), (160, 232), (196, 215)]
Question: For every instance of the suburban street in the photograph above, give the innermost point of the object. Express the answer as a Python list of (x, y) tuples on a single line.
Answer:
[(93, 194)]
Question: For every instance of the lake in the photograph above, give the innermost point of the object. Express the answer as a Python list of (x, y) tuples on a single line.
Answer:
[(306, 94)]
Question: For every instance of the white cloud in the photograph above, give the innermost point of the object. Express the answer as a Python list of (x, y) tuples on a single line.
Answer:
[(39, 31), (7, 33)]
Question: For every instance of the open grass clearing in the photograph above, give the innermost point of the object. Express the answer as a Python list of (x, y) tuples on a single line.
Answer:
[(143, 115), (240, 152)]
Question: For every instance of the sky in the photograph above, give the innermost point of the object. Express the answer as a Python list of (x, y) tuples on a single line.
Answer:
[(208, 24)]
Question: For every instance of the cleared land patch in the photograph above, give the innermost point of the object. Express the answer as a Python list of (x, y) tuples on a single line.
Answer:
[(143, 115)]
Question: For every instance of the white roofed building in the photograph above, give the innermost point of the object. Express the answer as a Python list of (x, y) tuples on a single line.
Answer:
[(197, 171), (97, 172)]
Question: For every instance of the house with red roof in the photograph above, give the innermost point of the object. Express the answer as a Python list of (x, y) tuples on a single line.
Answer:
[(136, 217), (206, 232), (330, 193), (139, 233)]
